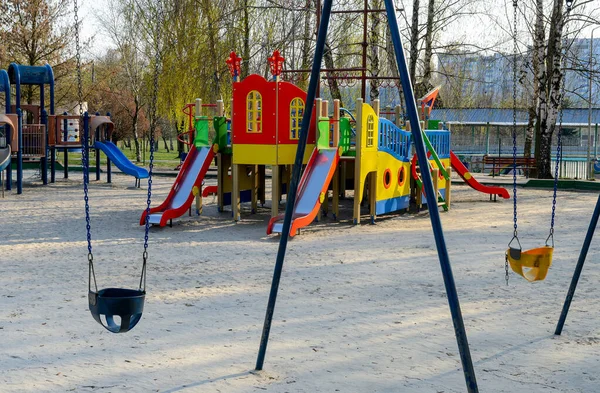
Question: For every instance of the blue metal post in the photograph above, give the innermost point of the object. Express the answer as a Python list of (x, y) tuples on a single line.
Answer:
[(66, 150), (17, 81), (97, 151), (86, 146), (44, 159), (108, 166), (578, 268), (44, 120), (411, 107), (20, 152), (291, 200)]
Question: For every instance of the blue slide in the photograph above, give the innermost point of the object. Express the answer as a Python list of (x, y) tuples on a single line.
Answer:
[(118, 158), (4, 158)]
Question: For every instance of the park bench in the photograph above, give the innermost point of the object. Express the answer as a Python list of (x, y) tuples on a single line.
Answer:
[(505, 164)]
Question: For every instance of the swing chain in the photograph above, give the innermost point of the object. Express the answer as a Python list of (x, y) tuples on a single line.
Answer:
[(550, 238), (514, 127), (514, 135), (84, 153), (153, 104), (506, 276)]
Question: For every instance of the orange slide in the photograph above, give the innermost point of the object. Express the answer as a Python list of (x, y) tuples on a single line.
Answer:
[(462, 170), (311, 191)]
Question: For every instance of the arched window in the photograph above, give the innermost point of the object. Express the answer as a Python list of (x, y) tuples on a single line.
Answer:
[(370, 130), (296, 113), (254, 112)]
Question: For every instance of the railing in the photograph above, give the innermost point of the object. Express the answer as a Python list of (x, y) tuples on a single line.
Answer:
[(34, 140), (394, 140), (440, 140)]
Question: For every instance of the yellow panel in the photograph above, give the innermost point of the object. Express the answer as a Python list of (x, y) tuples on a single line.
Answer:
[(446, 164), (387, 161), (368, 151), (245, 180), (255, 154), (286, 154), (369, 136)]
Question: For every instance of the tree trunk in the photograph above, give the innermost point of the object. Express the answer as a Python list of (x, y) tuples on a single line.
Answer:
[(212, 42), (389, 48), (414, 42), (537, 65), (374, 42), (180, 145), (165, 142), (551, 94), (246, 52), (425, 85), (303, 84), (333, 83), (134, 127)]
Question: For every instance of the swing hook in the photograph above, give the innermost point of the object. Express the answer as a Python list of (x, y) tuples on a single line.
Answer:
[(515, 253), (551, 238)]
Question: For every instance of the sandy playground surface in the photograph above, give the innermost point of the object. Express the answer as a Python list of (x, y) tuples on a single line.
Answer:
[(360, 309)]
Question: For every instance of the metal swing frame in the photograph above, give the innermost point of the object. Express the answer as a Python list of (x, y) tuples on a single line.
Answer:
[(537, 261), (453, 301), (578, 269)]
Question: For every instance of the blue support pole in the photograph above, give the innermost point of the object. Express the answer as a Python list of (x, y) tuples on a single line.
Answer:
[(578, 268), (65, 149), (86, 146), (97, 151), (434, 214), (20, 152), (108, 166), (44, 159), (291, 200), (7, 109)]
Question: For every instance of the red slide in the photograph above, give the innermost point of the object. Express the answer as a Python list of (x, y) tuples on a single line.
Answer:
[(180, 198), (462, 170)]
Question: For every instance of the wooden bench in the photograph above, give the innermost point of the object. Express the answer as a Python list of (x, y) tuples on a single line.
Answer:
[(506, 162)]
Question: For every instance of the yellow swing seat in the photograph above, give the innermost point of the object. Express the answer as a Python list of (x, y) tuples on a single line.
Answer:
[(532, 264)]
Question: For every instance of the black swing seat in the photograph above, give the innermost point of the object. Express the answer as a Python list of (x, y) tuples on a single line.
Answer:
[(128, 304)]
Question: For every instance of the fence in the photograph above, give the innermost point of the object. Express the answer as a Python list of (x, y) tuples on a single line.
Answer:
[(34, 141)]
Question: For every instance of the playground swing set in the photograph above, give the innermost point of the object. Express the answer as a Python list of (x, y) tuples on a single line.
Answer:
[(120, 309), (531, 264)]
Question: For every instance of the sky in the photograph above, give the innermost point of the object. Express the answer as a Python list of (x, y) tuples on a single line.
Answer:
[(91, 26), (90, 9)]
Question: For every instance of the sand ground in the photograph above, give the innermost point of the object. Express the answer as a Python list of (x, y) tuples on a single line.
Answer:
[(360, 309)]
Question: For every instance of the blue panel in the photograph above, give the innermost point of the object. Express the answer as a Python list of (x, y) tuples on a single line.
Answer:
[(440, 140), (31, 75), (394, 140), (245, 196), (392, 205), (442, 192)]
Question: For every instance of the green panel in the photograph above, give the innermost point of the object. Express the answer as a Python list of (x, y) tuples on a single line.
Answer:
[(433, 124), (220, 124), (345, 134), (323, 137), (201, 126), (434, 155)]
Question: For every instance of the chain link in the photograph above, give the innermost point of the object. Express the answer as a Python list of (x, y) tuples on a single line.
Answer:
[(558, 139), (514, 125), (84, 150), (153, 104), (514, 136)]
